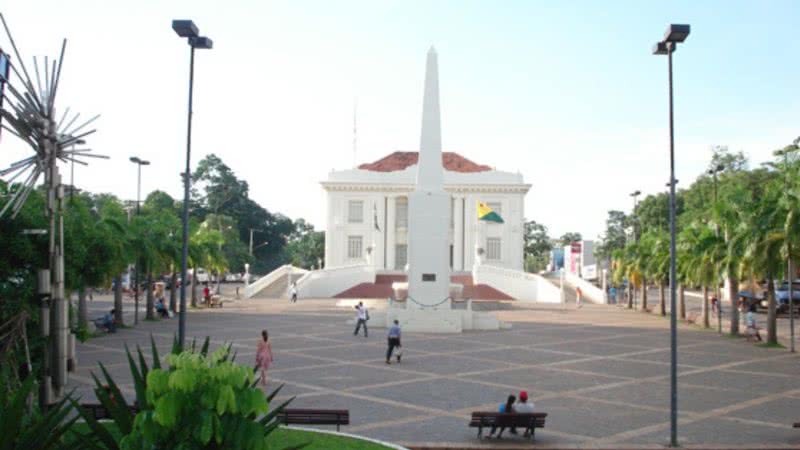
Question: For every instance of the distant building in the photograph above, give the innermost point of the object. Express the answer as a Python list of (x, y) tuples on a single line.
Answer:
[(367, 213)]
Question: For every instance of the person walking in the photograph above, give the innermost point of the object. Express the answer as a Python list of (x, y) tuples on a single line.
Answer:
[(362, 316), (612, 293), (293, 292), (752, 327), (578, 297), (263, 356), (394, 341)]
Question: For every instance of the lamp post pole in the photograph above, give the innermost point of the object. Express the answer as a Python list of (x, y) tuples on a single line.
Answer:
[(673, 35), (139, 162), (713, 172), (631, 291), (187, 29)]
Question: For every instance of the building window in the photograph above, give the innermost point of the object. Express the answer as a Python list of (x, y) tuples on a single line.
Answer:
[(401, 212), (493, 249), (400, 256), (354, 247), (452, 213), (496, 207), (355, 211)]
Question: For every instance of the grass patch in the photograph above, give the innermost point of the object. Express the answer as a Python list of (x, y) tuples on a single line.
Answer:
[(768, 345), (283, 437), (279, 439)]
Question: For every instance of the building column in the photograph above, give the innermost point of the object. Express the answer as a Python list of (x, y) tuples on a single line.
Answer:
[(458, 233), (390, 233)]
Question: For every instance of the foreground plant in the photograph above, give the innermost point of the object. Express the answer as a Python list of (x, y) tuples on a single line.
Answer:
[(23, 427), (202, 402)]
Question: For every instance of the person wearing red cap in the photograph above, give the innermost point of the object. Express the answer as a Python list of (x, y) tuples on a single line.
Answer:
[(524, 406)]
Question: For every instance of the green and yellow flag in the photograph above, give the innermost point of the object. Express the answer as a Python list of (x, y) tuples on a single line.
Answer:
[(487, 214)]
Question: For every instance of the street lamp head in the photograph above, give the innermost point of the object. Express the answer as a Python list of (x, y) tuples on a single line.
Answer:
[(676, 33), (144, 163), (135, 159), (636, 193), (660, 48), (185, 28), (201, 42)]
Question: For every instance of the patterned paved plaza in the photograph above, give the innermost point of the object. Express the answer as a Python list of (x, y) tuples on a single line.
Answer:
[(601, 373)]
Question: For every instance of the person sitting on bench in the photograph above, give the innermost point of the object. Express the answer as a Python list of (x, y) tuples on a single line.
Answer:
[(507, 407), (108, 321), (161, 309), (524, 406)]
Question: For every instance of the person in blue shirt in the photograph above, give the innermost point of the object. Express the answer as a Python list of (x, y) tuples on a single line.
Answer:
[(108, 321), (394, 341), (613, 294), (507, 407)]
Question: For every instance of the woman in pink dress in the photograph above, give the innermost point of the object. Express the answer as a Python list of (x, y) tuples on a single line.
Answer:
[(263, 356)]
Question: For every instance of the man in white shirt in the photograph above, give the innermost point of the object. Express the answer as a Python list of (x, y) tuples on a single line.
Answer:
[(524, 406), (362, 316), (293, 292)]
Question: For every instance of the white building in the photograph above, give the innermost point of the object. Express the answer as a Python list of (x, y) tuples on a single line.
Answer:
[(367, 213)]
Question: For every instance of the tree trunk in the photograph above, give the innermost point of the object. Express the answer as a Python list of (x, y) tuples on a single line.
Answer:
[(118, 299), (194, 287), (629, 291), (173, 292), (662, 304), (150, 314), (733, 296), (644, 294), (706, 322), (682, 302), (772, 316), (83, 309)]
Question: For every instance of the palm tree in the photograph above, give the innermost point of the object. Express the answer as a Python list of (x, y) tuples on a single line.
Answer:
[(765, 232)]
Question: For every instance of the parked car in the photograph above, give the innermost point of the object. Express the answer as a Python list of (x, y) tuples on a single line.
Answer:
[(202, 275), (782, 296), (233, 278)]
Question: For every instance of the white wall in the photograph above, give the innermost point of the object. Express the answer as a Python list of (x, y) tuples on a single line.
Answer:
[(338, 229), (328, 282), (523, 286)]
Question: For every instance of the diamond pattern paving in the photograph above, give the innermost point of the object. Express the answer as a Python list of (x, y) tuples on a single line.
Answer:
[(601, 373)]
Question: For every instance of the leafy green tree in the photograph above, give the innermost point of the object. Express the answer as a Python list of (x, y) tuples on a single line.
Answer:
[(537, 246), (307, 246), (91, 250), (615, 236), (568, 238)]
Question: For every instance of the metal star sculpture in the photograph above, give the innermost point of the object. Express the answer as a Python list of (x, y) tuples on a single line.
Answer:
[(31, 118)]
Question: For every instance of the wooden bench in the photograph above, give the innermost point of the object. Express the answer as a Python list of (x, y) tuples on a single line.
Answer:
[(336, 417), (527, 421), (100, 412)]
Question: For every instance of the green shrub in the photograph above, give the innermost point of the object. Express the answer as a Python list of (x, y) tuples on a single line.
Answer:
[(199, 401)]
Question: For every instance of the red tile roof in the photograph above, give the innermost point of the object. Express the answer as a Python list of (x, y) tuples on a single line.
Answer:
[(400, 160)]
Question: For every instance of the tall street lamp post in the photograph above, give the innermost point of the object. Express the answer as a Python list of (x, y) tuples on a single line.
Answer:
[(631, 291), (674, 35), (139, 162), (187, 29), (713, 172)]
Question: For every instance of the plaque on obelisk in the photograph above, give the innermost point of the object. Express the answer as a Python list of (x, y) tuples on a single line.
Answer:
[(429, 208)]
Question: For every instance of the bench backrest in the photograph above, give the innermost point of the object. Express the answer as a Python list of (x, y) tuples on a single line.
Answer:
[(510, 419), (315, 416)]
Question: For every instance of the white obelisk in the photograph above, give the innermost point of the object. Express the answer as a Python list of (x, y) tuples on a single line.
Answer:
[(429, 208)]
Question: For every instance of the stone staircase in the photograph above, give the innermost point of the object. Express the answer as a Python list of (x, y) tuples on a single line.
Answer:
[(382, 288)]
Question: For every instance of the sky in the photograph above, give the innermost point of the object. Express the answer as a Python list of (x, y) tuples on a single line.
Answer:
[(566, 93)]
